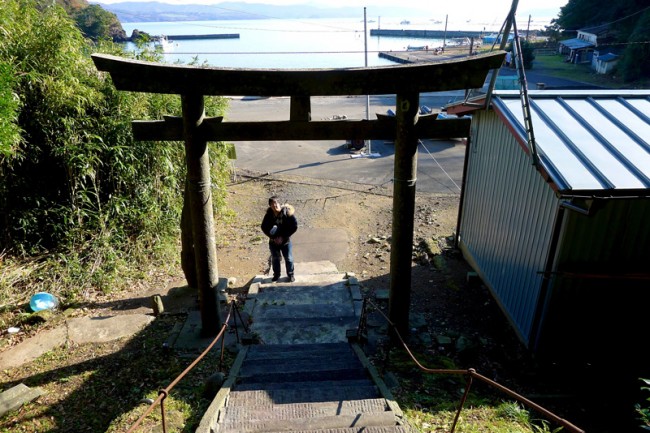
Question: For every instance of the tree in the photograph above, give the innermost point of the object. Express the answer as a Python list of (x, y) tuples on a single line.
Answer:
[(627, 24), (527, 51), (9, 109), (97, 23), (636, 58), (73, 182), (579, 14)]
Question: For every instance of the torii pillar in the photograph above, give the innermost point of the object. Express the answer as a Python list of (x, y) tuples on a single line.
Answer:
[(200, 197), (407, 82), (405, 172)]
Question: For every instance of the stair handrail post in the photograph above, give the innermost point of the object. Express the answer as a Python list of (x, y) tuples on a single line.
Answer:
[(200, 197), (468, 386)]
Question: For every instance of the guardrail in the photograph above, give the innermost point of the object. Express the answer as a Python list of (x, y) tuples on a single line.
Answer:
[(163, 393), (470, 374)]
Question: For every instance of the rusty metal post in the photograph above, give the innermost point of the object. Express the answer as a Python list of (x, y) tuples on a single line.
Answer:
[(200, 192), (406, 146)]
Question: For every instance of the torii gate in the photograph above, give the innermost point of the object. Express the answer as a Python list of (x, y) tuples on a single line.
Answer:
[(405, 81)]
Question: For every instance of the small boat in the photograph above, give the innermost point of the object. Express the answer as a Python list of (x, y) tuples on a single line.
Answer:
[(164, 43), (458, 42), (417, 48), (405, 22), (495, 37)]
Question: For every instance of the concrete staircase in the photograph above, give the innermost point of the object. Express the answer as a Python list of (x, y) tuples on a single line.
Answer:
[(305, 376)]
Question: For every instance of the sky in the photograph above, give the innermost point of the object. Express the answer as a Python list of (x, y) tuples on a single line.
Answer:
[(466, 8)]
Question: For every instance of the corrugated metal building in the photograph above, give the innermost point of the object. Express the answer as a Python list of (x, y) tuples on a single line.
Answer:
[(564, 245)]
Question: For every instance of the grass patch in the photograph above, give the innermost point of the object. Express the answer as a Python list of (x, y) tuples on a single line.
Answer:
[(555, 66), (105, 387), (430, 401)]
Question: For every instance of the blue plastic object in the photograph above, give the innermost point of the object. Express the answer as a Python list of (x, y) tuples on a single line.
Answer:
[(43, 301)]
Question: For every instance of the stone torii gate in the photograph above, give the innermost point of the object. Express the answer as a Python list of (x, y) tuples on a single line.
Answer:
[(405, 81)]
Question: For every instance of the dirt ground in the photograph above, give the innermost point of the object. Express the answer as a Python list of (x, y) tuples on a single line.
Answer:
[(449, 315), (443, 302)]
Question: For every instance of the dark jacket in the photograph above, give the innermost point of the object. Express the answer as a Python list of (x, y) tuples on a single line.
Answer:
[(285, 220)]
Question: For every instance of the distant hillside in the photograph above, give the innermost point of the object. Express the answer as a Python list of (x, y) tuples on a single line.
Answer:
[(94, 21), (156, 11)]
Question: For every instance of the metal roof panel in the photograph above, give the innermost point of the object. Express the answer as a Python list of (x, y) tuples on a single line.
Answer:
[(576, 43), (595, 141)]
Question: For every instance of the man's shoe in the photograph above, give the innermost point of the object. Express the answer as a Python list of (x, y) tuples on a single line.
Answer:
[(275, 278), (292, 278)]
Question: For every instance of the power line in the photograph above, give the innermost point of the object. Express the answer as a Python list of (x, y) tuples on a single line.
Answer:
[(438, 164), (609, 23), (272, 52)]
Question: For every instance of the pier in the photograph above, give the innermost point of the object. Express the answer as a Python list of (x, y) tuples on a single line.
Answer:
[(428, 55), (209, 36), (435, 34)]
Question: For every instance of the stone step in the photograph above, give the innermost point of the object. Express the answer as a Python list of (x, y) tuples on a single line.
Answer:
[(233, 414), (325, 351), (16, 396), (305, 376), (327, 294), (300, 331), (294, 365), (303, 280), (279, 310), (288, 350), (299, 394), (363, 429), (358, 383), (316, 423), (312, 283)]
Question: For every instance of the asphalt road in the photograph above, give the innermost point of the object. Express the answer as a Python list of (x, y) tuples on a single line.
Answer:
[(440, 162)]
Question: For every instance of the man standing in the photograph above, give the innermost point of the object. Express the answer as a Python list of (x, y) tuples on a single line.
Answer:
[(279, 224)]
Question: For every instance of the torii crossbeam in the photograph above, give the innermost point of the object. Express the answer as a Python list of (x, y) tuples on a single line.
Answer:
[(192, 83)]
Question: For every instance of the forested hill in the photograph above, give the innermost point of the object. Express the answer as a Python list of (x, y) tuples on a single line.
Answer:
[(94, 21), (160, 11)]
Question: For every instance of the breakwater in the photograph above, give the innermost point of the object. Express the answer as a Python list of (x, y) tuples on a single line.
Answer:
[(209, 36), (435, 34)]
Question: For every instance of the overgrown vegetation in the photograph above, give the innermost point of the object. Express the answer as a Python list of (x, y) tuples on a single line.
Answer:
[(430, 401), (556, 65), (643, 410), (107, 387), (527, 51), (84, 207)]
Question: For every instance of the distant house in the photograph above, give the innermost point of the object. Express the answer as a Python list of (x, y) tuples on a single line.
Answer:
[(604, 64), (580, 49), (564, 244)]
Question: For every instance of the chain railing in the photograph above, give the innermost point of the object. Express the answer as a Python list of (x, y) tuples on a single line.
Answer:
[(470, 374), (163, 393)]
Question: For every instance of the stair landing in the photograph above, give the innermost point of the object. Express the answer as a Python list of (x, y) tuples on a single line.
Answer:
[(304, 376)]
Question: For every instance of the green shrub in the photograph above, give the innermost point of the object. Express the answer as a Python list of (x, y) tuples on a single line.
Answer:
[(76, 190)]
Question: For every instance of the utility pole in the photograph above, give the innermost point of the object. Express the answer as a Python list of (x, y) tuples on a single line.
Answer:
[(365, 43), (444, 37)]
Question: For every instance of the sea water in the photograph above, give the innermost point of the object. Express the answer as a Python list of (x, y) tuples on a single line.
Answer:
[(283, 43), (305, 43)]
